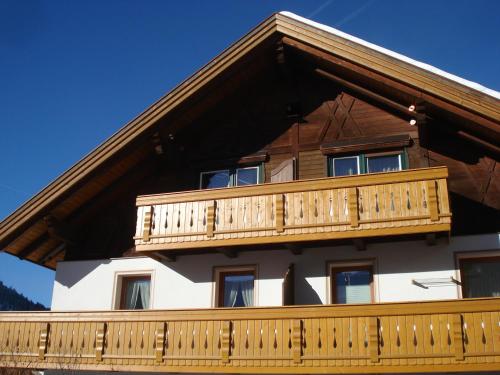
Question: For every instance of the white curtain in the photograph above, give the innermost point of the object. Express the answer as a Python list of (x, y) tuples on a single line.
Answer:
[(247, 292), (230, 292), (138, 290)]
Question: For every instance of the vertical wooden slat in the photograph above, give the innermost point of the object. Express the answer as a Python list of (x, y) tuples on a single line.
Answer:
[(148, 219), (352, 201), (432, 200), (297, 340), (458, 341), (280, 213), (225, 349), (373, 339), (210, 219)]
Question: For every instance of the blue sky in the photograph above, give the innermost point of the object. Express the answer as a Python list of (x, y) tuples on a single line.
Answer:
[(73, 72)]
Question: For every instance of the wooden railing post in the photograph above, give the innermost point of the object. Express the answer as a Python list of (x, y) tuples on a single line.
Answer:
[(225, 345), (458, 337), (297, 341), (352, 201), (148, 221), (373, 339), (159, 342), (280, 213), (42, 340), (99, 341), (432, 198), (211, 218)]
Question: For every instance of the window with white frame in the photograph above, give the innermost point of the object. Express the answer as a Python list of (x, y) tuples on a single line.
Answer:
[(230, 177), (366, 163)]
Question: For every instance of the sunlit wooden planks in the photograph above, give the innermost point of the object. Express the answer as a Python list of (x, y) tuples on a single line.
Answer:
[(458, 335), (383, 204)]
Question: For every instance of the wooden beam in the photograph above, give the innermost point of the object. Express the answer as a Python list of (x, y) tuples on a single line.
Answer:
[(228, 252), (295, 249), (59, 230), (52, 253), (365, 92), (359, 243), (163, 256), (430, 239), (33, 246)]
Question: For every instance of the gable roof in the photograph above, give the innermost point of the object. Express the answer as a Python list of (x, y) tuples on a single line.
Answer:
[(466, 95)]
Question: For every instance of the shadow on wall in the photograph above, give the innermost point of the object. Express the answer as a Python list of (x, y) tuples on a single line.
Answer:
[(69, 276)]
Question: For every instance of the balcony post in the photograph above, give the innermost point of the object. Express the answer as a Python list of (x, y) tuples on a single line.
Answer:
[(458, 337), (432, 198), (225, 347), (210, 218), (352, 201), (373, 337), (43, 338), (160, 342), (297, 340), (280, 213), (99, 341), (148, 221)]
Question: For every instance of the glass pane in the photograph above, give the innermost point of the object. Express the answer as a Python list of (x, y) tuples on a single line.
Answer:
[(137, 294), (247, 176), (216, 179), (345, 166), (482, 278), (353, 286), (238, 290), (386, 163)]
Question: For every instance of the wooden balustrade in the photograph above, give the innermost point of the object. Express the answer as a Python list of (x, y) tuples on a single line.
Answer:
[(459, 335), (382, 204)]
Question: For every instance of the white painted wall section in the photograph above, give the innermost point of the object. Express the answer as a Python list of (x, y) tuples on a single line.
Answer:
[(189, 282)]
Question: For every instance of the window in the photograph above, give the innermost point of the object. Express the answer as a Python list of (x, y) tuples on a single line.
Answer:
[(480, 277), (351, 283), (235, 287), (366, 163), (230, 177), (135, 292)]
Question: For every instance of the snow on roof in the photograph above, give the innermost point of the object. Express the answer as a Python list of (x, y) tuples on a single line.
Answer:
[(427, 67)]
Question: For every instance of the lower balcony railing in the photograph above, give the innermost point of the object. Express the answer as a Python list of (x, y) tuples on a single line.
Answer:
[(379, 204), (459, 335)]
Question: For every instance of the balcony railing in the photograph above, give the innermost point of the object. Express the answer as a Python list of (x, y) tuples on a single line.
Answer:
[(459, 335), (382, 204)]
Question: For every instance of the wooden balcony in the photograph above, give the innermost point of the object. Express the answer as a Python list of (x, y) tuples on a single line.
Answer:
[(370, 205), (459, 335)]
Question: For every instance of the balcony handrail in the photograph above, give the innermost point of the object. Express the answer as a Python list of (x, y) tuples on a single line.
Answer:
[(468, 305), (297, 186)]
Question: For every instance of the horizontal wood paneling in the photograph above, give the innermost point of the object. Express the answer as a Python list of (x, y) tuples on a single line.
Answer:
[(440, 336)]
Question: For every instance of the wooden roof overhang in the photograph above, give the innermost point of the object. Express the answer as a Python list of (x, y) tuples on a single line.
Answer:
[(29, 232)]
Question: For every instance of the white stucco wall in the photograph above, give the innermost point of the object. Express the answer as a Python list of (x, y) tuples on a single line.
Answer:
[(188, 282)]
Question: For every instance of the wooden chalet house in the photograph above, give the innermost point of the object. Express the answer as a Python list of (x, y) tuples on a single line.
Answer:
[(307, 203)]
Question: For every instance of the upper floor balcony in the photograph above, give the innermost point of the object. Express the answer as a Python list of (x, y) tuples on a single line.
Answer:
[(353, 207)]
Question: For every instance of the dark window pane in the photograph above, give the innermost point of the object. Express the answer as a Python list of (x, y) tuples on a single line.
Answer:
[(216, 179), (345, 166), (482, 278), (137, 294), (247, 176), (387, 163), (238, 290), (353, 286)]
